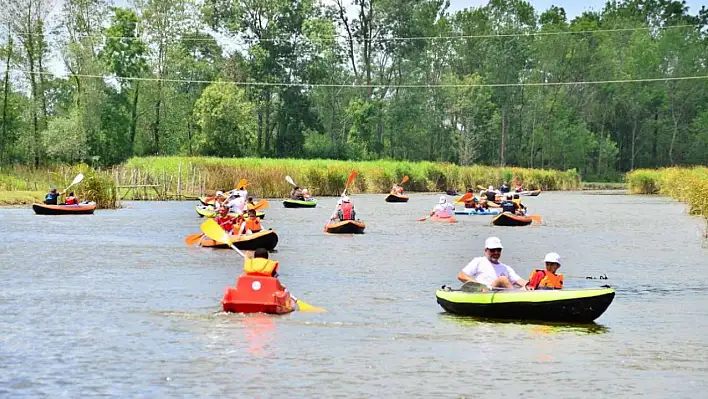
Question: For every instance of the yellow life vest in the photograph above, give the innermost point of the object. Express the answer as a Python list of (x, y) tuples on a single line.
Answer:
[(260, 267)]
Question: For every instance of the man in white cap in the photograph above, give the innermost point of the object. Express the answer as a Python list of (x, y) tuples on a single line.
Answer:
[(487, 270), (547, 279), (344, 210), (443, 209)]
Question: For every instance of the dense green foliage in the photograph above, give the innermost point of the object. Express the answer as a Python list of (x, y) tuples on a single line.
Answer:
[(266, 177), (685, 184), (503, 84)]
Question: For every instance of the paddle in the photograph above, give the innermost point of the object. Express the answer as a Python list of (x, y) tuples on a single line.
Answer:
[(405, 179), (241, 183), (260, 205), (290, 180), (464, 198), (77, 180), (193, 239), (212, 230)]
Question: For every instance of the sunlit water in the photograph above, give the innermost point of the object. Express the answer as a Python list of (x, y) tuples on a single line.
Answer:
[(115, 304)]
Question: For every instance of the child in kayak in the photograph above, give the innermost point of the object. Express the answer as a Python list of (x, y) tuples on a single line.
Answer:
[(260, 265), (226, 221), (547, 279), (250, 225), (443, 209), (71, 199)]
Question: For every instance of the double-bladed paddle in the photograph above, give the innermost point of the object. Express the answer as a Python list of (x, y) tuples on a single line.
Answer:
[(212, 230)]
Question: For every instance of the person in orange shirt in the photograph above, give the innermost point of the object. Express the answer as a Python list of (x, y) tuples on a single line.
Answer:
[(252, 224), (547, 279)]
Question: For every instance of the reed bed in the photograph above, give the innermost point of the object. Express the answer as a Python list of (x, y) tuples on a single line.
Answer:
[(689, 185), (186, 177)]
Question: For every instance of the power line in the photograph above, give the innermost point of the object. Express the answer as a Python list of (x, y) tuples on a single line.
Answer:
[(389, 39), (401, 86)]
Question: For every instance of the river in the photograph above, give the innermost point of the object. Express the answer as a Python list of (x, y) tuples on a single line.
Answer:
[(116, 305)]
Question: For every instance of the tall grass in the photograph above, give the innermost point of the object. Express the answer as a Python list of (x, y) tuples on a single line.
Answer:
[(96, 186), (686, 184), (193, 176)]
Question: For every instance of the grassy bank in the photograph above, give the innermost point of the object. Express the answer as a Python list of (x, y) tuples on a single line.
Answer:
[(686, 184), (25, 185), (193, 176)]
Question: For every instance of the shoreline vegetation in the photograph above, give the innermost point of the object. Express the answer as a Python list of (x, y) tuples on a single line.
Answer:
[(173, 178), (688, 185)]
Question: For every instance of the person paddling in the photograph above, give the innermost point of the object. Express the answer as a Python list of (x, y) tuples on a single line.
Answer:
[(345, 210), (443, 209), (52, 198), (547, 279), (226, 221), (260, 265), (489, 271)]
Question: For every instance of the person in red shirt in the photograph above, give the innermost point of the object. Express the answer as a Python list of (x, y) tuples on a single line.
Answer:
[(71, 199), (547, 279), (226, 221)]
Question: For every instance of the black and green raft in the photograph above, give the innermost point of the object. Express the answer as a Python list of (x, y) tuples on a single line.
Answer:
[(293, 203), (567, 305)]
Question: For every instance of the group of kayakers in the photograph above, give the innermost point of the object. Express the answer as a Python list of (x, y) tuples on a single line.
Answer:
[(300, 194), (493, 274), (511, 203)]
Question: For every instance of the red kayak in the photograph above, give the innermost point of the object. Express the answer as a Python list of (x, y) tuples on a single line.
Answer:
[(257, 294)]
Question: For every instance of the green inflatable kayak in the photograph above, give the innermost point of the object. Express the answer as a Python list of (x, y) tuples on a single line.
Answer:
[(567, 305), (291, 203)]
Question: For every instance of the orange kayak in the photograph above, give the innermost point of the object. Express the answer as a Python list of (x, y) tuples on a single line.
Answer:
[(257, 294)]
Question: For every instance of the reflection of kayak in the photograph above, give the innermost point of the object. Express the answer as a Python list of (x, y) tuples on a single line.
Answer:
[(449, 219), (267, 239), (208, 211), (508, 219), (532, 193), (291, 203), (346, 227), (580, 305), (472, 211), (80, 209), (256, 294), (396, 198)]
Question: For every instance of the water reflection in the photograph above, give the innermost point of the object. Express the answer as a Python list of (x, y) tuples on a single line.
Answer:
[(535, 327)]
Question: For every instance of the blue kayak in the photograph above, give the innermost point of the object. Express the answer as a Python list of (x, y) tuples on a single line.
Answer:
[(471, 211)]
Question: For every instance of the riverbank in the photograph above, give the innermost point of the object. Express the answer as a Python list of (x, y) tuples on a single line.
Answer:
[(689, 185), (186, 177)]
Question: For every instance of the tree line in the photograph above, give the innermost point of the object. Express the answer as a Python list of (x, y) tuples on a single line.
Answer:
[(503, 84)]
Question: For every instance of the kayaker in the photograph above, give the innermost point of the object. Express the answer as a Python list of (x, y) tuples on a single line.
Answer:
[(226, 221), (489, 271), (397, 190), (504, 188), (521, 210), (71, 199), (52, 197), (547, 279), (443, 209), (345, 210), (236, 203), (252, 224), (508, 205), (306, 195), (260, 265), (296, 194), (249, 203), (472, 203)]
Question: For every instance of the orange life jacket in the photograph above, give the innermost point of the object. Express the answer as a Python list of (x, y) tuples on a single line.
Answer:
[(260, 267), (253, 225), (550, 280)]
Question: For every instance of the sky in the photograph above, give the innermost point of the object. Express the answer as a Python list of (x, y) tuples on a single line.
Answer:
[(573, 8)]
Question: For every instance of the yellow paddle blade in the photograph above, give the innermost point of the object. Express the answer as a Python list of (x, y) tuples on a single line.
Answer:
[(306, 307), (262, 204), (241, 183), (212, 230)]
